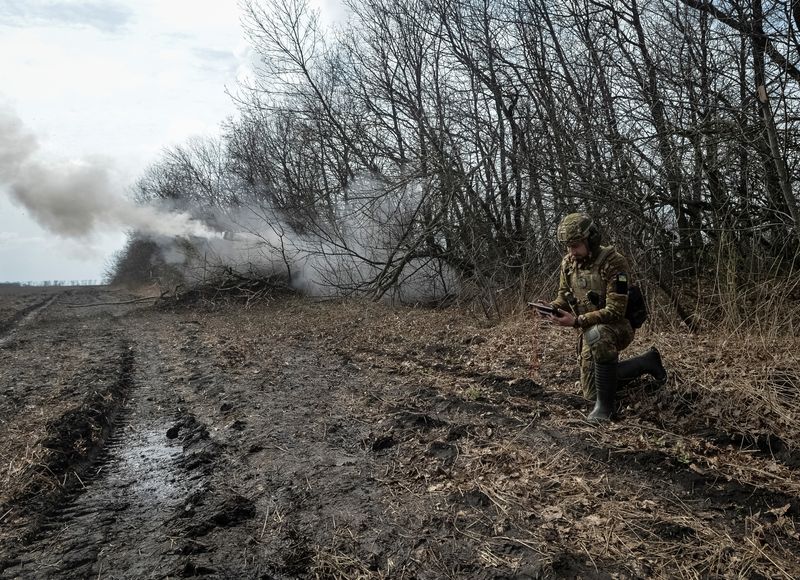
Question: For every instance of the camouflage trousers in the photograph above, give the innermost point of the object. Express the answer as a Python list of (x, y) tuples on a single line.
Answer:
[(601, 343)]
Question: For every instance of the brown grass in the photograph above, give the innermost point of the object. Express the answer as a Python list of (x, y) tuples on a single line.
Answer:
[(540, 493), (730, 383)]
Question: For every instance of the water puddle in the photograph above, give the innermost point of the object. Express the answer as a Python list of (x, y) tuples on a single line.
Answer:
[(145, 462)]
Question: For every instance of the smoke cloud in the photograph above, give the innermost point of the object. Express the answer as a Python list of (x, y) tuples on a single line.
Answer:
[(77, 198), (356, 252)]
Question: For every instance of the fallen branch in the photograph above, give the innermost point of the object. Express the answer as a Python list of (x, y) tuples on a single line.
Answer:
[(71, 305)]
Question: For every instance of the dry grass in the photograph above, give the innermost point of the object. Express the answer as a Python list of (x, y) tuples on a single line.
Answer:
[(337, 561), (544, 485), (38, 391), (741, 383), (542, 497), (22, 457)]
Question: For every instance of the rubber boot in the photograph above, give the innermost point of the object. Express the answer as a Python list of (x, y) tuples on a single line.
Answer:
[(605, 382), (648, 363)]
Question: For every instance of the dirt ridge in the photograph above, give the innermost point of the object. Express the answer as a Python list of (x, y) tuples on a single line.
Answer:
[(76, 449), (23, 316)]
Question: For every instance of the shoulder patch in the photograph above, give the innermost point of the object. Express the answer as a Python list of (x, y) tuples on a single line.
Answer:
[(621, 283)]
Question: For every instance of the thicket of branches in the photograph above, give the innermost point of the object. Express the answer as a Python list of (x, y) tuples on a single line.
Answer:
[(674, 123)]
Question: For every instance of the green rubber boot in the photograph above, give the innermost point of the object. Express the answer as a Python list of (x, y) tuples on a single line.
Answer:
[(605, 382), (648, 363)]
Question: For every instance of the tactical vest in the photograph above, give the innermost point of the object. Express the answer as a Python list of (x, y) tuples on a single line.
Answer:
[(583, 281)]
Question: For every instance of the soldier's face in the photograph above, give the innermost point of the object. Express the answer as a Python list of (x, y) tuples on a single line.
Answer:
[(578, 250)]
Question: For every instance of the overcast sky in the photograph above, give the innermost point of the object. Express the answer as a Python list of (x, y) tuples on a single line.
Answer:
[(108, 83)]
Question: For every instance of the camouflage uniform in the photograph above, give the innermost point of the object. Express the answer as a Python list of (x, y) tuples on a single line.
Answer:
[(595, 290)]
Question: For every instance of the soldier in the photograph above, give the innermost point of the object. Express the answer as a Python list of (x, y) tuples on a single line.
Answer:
[(592, 297)]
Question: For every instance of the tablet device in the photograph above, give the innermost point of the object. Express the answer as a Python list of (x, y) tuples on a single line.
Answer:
[(544, 308)]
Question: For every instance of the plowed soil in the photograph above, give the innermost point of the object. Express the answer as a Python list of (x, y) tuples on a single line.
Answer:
[(302, 439)]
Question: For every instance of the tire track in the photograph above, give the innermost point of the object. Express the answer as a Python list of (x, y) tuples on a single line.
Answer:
[(22, 318), (115, 523)]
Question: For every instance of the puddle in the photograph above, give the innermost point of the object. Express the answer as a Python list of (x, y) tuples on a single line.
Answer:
[(146, 460)]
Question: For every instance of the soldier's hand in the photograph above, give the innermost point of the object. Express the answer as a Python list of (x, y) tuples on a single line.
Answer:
[(564, 318)]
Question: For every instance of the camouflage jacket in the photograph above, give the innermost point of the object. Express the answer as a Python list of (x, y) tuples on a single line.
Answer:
[(594, 289)]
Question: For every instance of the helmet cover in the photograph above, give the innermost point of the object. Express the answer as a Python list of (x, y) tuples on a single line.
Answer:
[(575, 227)]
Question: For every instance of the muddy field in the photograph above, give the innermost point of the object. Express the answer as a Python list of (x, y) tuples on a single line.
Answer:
[(299, 439)]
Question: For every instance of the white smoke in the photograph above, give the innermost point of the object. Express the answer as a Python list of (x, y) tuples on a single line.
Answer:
[(351, 254), (355, 252), (77, 198)]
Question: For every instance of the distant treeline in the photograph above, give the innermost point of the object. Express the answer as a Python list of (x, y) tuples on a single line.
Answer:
[(51, 283), (675, 123)]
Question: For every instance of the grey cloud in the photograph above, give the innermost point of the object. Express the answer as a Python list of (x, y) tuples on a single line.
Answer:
[(214, 55), (107, 16), (212, 59)]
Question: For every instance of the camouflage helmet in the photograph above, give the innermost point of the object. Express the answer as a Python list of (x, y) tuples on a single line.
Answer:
[(576, 227)]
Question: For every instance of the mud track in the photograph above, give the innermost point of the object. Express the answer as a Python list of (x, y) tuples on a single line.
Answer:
[(296, 439)]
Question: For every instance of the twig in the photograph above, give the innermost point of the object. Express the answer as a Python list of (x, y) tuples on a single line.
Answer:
[(764, 553), (264, 527), (72, 305)]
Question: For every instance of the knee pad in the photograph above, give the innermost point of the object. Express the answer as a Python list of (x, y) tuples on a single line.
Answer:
[(602, 343), (592, 335)]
